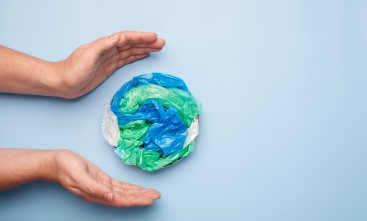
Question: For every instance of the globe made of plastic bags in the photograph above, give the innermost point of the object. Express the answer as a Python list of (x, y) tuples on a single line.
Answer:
[(152, 122)]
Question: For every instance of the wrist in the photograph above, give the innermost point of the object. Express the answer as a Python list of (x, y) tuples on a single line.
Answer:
[(53, 164), (63, 86), (20, 166), (47, 167), (55, 79)]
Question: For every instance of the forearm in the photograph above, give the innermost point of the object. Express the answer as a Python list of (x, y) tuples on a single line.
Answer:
[(20, 166), (24, 74)]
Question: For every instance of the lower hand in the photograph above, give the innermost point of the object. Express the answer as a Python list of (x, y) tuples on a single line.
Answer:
[(86, 180)]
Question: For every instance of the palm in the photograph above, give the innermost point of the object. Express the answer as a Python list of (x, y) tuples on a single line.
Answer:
[(86, 180)]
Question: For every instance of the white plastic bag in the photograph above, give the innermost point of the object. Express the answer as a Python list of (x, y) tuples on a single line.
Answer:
[(110, 128)]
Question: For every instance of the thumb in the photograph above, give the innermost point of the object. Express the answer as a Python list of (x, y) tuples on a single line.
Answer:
[(95, 189), (105, 43)]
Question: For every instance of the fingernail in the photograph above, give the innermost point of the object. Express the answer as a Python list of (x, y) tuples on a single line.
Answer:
[(114, 36), (108, 196)]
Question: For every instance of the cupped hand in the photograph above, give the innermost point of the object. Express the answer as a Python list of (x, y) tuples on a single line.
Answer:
[(89, 65), (86, 180)]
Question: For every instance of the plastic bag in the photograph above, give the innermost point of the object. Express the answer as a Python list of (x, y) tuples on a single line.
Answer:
[(157, 121), (167, 132), (151, 161), (186, 104), (192, 132), (164, 80), (110, 129)]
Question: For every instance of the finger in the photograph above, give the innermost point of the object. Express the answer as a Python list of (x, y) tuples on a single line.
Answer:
[(128, 37), (120, 200), (127, 188), (130, 59), (104, 44), (132, 200), (152, 193), (127, 46), (125, 185), (95, 189), (136, 51), (159, 43), (132, 191)]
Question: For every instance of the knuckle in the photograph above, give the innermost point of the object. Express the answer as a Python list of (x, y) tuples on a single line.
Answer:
[(100, 41), (123, 40), (130, 52), (92, 191)]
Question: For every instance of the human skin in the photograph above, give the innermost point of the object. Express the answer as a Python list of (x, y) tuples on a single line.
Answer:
[(86, 68), (74, 173)]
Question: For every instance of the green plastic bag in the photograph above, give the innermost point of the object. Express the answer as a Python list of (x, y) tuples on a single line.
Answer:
[(189, 108)]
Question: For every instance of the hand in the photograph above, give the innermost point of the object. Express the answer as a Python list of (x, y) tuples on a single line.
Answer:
[(89, 65), (86, 180)]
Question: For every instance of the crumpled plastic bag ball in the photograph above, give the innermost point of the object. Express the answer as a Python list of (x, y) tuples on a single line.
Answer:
[(152, 121)]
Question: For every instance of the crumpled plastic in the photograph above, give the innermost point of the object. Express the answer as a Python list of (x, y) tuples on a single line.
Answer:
[(164, 80), (153, 113), (187, 105), (110, 129), (151, 161), (167, 132), (192, 132)]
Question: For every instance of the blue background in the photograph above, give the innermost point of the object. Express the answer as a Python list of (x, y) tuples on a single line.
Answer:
[(283, 87)]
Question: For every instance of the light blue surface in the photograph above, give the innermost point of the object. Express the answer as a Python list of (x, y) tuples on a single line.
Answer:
[(290, 77)]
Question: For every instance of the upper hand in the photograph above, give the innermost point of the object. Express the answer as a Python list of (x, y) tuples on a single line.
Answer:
[(89, 65)]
